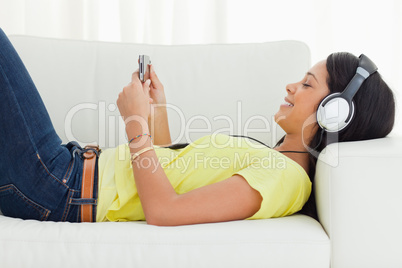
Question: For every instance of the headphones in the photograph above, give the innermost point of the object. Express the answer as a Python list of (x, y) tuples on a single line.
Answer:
[(336, 111)]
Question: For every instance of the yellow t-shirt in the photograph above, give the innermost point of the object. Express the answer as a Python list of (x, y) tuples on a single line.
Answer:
[(282, 183)]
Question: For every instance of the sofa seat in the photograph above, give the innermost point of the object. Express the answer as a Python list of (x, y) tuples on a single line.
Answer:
[(294, 241)]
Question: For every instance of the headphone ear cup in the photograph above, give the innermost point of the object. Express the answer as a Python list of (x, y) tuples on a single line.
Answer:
[(333, 113)]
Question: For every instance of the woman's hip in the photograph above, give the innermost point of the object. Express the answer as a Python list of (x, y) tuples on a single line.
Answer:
[(32, 189)]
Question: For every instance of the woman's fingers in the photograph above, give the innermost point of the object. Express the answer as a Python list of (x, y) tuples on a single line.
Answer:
[(134, 99), (156, 83), (135, 77), (146, 86)]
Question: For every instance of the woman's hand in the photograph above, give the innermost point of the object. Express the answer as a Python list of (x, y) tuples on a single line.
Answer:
[(157, 92), (158, 119), (135, 100)]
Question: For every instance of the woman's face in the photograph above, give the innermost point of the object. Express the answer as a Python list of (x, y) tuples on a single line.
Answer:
[(302, 100)]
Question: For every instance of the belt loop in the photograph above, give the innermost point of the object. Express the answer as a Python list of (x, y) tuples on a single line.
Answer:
[(90, 154)]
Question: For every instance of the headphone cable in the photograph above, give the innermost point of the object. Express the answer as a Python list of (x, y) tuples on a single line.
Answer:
[(299, 152)]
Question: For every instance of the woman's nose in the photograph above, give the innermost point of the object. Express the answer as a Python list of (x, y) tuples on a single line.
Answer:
[(290, 88)]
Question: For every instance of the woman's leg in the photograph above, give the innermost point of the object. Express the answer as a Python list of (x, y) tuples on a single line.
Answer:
[(34, 166)]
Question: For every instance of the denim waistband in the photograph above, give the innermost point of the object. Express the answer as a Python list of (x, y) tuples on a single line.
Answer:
[(75, 201)]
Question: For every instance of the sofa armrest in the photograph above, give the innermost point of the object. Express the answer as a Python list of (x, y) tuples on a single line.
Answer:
[(358, 189)]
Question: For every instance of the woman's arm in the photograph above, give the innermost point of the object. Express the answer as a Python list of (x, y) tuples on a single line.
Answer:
[(158, 119), (159, 126), (231, 199)]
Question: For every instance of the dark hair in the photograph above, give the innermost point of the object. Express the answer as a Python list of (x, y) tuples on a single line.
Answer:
[(374, 112)]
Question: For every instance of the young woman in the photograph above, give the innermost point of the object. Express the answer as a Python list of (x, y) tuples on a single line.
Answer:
[(215, 178)]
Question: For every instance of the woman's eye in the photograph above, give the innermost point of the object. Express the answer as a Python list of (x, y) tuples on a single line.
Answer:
[(306, 85)]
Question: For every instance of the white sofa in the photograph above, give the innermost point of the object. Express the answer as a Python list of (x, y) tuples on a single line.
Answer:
[(235, 89)]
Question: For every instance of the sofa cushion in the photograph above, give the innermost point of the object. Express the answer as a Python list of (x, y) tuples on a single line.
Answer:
[(234, 89), (294, 241)]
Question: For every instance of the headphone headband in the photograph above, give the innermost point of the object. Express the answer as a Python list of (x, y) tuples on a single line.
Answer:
[(365, 69), (336, 111)]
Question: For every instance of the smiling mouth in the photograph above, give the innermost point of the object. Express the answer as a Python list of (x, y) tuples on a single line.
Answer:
[(288, 103)]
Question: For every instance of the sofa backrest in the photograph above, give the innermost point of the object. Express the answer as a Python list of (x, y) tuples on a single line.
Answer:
[(232, 89)]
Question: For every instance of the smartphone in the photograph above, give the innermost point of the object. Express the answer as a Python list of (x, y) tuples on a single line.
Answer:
[(144, 62)]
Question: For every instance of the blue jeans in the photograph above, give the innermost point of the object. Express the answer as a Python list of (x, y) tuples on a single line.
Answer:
[(40, 178)]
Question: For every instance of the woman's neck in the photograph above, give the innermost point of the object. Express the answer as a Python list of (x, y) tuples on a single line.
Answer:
[(298, 144)]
